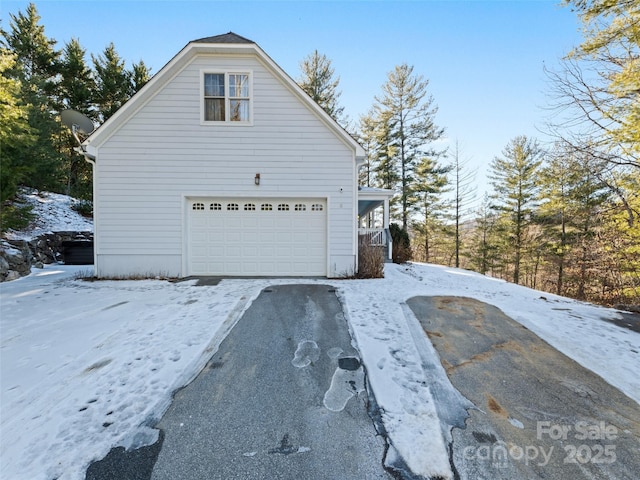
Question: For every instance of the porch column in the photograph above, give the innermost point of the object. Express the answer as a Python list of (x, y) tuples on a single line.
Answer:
[(385, 225), (385, 213)]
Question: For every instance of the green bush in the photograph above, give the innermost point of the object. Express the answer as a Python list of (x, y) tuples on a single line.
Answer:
[(83, 207), (14, 216), (401, 251)]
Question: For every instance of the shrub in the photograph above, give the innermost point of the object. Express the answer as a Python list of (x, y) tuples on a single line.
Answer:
[(84, 208), (401, 252), (14, 216), (370, 261)]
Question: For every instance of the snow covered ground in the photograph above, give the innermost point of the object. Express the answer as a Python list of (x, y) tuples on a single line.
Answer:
[(85, 366), (52, 211)]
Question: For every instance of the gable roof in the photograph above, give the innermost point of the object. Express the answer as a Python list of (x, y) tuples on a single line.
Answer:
[(224, 38), (228, 43)]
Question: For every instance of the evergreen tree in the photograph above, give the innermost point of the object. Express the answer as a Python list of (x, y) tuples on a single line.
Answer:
[(16, 135), (113, 82), (556, 179), (514, 178), (367, 138), (384, 153), (37, 68), (37, 60), (409, 113), (77, 85), (484, 252), (426, 199), (76, 92), (622, 239), (140, 75), (319, 81)]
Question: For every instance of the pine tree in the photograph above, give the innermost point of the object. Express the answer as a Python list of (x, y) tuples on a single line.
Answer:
[(367, 138), (113, 82), (16, 135), (484, 251), (37, 68), (140, 75), (77, 85), (411, 118), (426, 199), (556, 179), (385, 151), (76, 91), (318, 80), (514, 178)]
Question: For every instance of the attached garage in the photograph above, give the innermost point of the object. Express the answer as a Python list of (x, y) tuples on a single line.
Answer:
[(221, 165), (257, 236)]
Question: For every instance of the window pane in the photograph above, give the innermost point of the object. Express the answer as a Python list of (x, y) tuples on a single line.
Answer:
[(238, 85), (214, 109), (239, 110), (214, 84)]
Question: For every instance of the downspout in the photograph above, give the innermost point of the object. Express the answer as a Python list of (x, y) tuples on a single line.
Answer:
[(90, 158), (360, 162)]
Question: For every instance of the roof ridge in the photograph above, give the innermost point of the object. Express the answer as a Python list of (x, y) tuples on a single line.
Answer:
[(229, 37)]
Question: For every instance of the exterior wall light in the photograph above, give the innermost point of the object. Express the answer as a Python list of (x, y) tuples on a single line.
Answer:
[(257, 179)]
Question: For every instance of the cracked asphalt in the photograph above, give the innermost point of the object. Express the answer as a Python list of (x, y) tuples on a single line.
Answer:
[(536, 413)]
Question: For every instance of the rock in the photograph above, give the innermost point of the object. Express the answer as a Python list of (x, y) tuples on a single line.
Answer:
[(4, 268), (18, 256), (12, 275)]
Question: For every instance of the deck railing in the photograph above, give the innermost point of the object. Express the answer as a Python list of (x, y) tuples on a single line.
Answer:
[(373, 236), (377, 237)]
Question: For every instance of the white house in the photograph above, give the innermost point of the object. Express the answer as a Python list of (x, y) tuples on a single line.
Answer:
[(223, 165)]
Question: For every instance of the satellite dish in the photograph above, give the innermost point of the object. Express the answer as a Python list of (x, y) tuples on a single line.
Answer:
[(77, 122)]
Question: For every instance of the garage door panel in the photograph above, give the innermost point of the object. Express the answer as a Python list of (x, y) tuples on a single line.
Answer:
[(244, 237), (250, 222), (233, 236)]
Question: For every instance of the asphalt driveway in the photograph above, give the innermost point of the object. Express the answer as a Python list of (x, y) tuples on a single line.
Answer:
[(284, 397), (537, 413)]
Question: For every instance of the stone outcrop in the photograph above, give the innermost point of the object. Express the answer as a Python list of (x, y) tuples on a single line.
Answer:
[(18, 256)]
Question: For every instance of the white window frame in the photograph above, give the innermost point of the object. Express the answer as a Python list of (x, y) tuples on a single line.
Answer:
[(227, 98)]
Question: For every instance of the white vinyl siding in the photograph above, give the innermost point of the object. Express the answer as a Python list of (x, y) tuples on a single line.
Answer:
[(163, 154)]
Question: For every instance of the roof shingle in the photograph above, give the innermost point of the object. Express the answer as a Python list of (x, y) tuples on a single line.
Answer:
[(224, 38)]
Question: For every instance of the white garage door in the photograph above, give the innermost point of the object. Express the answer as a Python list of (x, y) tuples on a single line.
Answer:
[(265, 236)]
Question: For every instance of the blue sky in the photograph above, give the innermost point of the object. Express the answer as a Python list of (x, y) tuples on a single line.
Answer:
[(483, 59)]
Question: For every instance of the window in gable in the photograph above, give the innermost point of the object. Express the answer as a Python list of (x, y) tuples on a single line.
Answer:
[(238, 97), (227, 97), (214, 102)]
